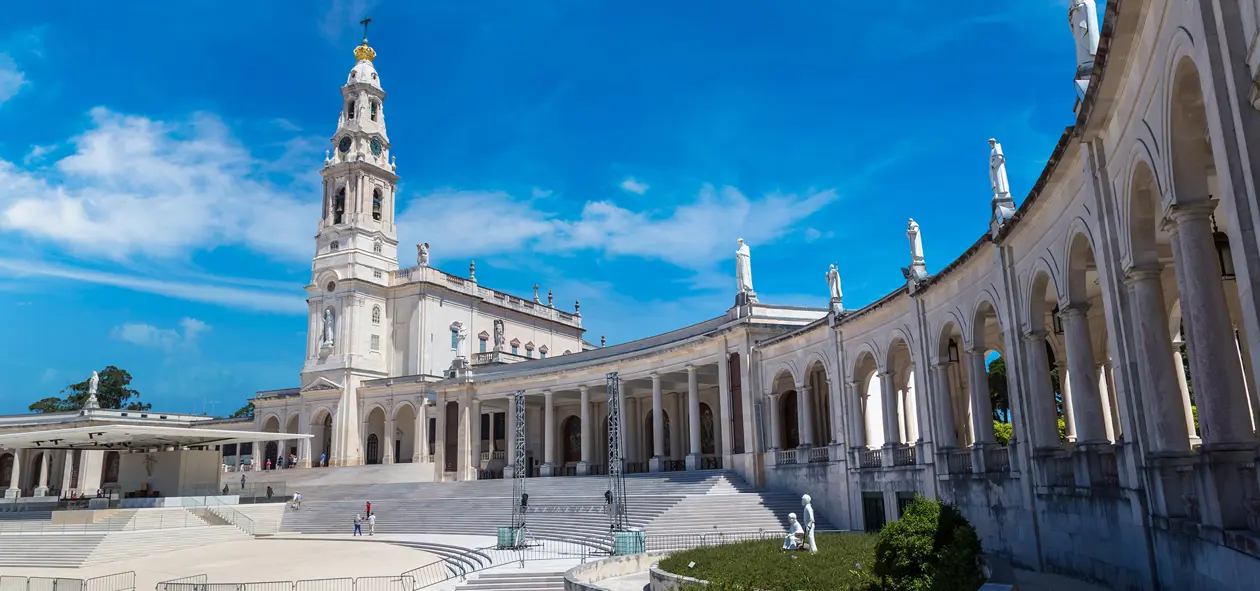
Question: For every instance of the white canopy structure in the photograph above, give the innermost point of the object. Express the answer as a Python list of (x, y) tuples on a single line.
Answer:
[(124, 437)]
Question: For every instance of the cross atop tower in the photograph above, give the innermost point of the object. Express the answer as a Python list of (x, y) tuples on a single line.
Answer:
[(365, 23)]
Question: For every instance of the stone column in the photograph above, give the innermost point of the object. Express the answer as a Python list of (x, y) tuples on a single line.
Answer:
[(892, 423), (584, 466), (804, 417), (15, 477), (510, 444), (41, 488), (693, 418), (439, 441), (418, 452), (1183, 384), (388, 456), (549, 435), (67, 471), (676, 427), (724, 407), (1108, 395), (858, 417), (1160, 373), (981, 405), (656, 463), (945, 434), (475, 433), (632, 430), (903, 408), (1043, 418), (465, 465), (1218, 380), (1080, 363)]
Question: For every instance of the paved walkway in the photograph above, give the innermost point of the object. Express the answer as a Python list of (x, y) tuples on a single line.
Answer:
[(636, 582), (260, 559)]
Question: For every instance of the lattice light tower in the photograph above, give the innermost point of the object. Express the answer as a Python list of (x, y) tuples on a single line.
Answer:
[(519, 500), (616, 464)]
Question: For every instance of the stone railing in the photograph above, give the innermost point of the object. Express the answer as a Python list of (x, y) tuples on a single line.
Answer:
[(997, 459), (1106, 468), (869, 458), (785, 456), (819, 455), (485, 456), (429, 458), (904, 455), (1059, 471), (710, 462), (960, 461)]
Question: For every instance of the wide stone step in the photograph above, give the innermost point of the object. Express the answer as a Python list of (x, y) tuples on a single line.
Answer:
[(515, 582)]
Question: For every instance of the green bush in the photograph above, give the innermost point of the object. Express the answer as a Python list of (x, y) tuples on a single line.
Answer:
[(931, 548), (1002, 432), (843, 563)]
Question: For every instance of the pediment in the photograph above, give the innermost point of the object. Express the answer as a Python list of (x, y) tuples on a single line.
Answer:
[(321, 384), (483, 335)]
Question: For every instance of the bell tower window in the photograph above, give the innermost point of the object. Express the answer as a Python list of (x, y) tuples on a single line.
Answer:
[(376, 204), (350, 110), (375, 106), (339, 205)]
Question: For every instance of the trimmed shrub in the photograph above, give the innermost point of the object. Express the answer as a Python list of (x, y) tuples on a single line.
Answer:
[(931, 548)]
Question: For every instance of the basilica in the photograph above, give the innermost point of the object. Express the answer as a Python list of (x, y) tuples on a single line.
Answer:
[(1117, 292)]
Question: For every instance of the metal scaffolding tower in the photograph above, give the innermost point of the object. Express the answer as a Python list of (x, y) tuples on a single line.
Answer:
[(519, 471), (616, 494)]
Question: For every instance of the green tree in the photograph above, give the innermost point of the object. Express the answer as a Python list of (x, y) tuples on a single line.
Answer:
[(999, 399), (113, 391), (244, 412), (931, 548)]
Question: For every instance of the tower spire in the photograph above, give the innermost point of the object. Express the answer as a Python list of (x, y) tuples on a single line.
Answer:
[(363, 51), (366, 20)]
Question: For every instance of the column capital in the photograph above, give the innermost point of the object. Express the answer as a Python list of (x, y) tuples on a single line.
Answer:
[(1139, 273), (974, 352), (942, 364), (584, 388), (884, 373), (1073, 309), (1194, 210), (802, 388), (1034, 335), (691, 369), (656, 377)]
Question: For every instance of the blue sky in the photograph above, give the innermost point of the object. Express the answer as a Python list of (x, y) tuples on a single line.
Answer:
[(159, 185)]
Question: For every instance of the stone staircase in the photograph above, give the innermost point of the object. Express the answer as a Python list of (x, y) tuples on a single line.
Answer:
[(566, 508), (515, 582), (74, 550)]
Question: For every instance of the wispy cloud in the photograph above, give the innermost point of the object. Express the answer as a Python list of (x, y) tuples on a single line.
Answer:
[(37, 153), (690, 235), (342, 17), (147, 335), (12, 79), (161, 189), (258, 300), (631, 185)]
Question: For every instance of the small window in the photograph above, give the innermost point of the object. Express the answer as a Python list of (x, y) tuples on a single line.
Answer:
[(376, 273), (454, 339), (350, 110), (483, 345), (567, 352), (529, 353), (376, 204), (376, 342), (542, 354), (516, 350), (374, 107), (376, 247), (331, 286), (334, 246), (376, 314)]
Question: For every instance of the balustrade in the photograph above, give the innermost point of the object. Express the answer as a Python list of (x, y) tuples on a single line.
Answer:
[(819, 455), (869, 458), (904, 456), (785, 456), (710, 462), (997, 459), (1059, 471), (960, 461)]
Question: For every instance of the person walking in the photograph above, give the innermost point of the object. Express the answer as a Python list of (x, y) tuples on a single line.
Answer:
[(323, 460), (242, 482), (297, 499), (269, 493), (358, 527), (371, 524)]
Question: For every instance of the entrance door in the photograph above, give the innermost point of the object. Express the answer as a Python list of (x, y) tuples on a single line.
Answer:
[(873, 511), (373, 449), (398, 450)]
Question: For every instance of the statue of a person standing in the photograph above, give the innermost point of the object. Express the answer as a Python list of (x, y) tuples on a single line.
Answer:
[(498, 334), (916, 243), (326, 339), (422, 254), (809, 524), (93, 382), (743, 268), (833, 283), (997, 170)]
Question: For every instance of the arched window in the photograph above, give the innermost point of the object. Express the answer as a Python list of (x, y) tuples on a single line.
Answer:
[(334, 246), (375, 106), (377, 247), (350, 110), (376, 314), (376, 204), (339, 205)]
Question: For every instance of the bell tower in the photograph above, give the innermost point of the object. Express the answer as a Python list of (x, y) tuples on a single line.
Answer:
[(356, 250)]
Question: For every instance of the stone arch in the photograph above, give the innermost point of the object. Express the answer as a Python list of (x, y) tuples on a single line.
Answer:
[(817, 380), (900, 412), (903, 335), (867, 428), (954, 382), (570, 439), (782, 368), (271, 422), (404, 419), (1048, 401), (6, 471), (403, 404), (784, 426), (1086, 340), (980, 334), (374, 427)]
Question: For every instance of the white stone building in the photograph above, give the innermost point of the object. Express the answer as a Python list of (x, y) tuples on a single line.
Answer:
[(1130, 260)]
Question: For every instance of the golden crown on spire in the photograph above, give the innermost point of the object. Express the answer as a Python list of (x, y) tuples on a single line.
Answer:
[(364, 52)]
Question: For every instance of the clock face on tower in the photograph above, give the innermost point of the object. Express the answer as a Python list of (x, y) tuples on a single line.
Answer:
[(344, 146), (376, 147)]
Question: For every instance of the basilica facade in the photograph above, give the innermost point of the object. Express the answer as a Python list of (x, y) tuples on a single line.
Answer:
[(1117, 292)]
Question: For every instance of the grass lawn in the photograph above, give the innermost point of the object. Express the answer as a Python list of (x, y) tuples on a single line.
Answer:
[(762, 565)]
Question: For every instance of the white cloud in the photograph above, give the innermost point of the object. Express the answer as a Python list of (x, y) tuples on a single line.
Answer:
[(147, 335), (258, 300), (342, 16), (692, 235), (11, 78), (37, 153), (140, 186), (633, 186)]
